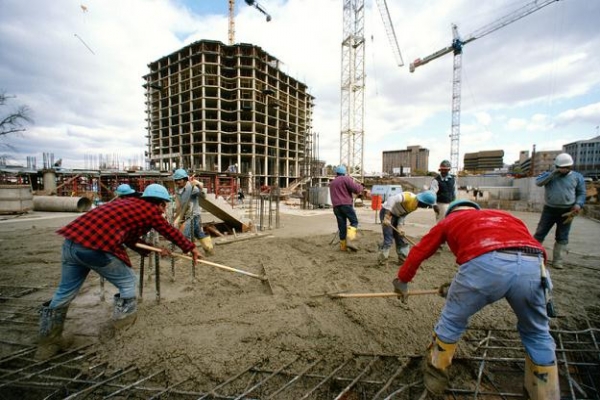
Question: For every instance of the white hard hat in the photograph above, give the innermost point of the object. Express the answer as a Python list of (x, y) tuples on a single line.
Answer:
[(563, 160)]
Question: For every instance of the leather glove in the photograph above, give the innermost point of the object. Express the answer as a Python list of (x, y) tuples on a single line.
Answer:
[(570, 216), (401, 288), (443, 290)]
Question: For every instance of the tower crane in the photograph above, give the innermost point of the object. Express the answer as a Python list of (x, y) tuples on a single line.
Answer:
[(456, 47), (353, 81), (232, 17)]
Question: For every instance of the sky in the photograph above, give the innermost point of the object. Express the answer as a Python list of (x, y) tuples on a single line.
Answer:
[(79, 65)]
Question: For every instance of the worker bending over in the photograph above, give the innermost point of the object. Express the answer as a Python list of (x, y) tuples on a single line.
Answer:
[(392, 214), (498, 259)]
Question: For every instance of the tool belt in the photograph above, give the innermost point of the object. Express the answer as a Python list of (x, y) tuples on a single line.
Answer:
[(525, 251)]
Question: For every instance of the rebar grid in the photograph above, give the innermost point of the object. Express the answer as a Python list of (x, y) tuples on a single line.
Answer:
[(489, 364)]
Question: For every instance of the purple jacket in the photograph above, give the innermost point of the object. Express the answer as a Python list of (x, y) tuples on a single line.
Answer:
[(341, 189)]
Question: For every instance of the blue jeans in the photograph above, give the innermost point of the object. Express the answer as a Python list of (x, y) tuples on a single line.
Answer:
[(390, 235), (78, 261), (553, 216), (489, 278), (343, 213), (198, 232)]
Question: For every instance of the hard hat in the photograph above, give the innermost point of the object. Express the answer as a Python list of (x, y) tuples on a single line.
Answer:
[(340, 170), (427, 197), (124, 189), (445, 165), (180, 174), (462, 203), (563, 160), (157, 191)]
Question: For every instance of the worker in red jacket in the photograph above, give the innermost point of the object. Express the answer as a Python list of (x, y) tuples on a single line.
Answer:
[(498, 259), (96, 241)]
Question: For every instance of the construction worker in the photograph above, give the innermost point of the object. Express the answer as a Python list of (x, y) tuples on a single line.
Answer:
[(187, 214), (498, 258), (564, 196), (124, 190), (96, 241), (392, 214), (445, 188), (341, 189)]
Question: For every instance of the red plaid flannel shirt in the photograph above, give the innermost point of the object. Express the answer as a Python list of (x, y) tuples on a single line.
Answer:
[(112, 226)]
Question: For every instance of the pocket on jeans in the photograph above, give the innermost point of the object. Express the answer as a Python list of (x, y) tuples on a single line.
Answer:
[(536, 293), (96, 258)]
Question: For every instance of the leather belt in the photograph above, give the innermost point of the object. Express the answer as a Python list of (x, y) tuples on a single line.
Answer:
[(524, 251)]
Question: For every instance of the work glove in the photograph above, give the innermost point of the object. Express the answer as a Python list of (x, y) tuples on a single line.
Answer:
[(387, 220), (570, 216), (443, 290), (401, 288)]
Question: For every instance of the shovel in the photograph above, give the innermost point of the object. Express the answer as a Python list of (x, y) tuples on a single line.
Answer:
[(231, 269)]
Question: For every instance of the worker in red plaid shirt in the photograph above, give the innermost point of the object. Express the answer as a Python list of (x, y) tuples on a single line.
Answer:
[(96, 241)]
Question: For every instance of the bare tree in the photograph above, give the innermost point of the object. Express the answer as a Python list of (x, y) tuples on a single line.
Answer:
[(15, 120)]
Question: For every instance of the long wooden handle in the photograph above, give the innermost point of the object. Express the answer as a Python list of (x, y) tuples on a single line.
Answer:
[(402, 234), (225, 267), (385, 294)]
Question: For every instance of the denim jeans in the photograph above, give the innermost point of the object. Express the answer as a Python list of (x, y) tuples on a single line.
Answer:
[(489, 278), (343, 213), (389, 234), (198, 232), (553, 216), (78, 261)]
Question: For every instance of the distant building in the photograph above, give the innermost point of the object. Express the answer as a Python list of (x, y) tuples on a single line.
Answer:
[(484, 161), (414, 158), (544, 160), (586, 155)]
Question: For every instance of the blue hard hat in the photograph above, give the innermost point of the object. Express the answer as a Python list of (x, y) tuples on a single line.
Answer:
[(340, 170), (427, 197), (180, 174), (157, 191), (462, 203), (124, 189)]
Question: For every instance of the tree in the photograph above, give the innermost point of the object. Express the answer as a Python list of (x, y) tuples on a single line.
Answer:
[(15, 120)]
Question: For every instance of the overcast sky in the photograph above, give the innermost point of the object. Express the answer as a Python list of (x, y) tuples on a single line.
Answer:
[(79, 69)]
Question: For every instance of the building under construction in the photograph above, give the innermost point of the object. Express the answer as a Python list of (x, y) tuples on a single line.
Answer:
[(214, 107)]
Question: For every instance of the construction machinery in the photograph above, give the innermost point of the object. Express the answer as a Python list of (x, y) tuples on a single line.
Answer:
[(353, 81), (456, 47), (232, 17)]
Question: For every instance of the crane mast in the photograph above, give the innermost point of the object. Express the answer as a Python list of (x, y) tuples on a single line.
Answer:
[(231, 32), (353, 81), (456, 48)]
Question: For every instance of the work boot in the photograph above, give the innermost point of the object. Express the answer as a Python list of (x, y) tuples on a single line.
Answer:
[(435, 368), (51, 341), (402, 252), (351, 238), (207, 245), (383, 255), (124, 314), (541, 382), (557, 255), (343, 246)]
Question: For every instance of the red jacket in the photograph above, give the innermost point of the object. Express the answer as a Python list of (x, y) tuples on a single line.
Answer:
[(120, 223), (469, 234)]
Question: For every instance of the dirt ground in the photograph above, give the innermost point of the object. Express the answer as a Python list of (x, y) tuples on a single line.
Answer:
[(212, 325)]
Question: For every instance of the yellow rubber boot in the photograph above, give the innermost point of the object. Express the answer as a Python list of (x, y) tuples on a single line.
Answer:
[(541, 382), (207, 245), (439, 359), (351, 238), (343, 245)]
